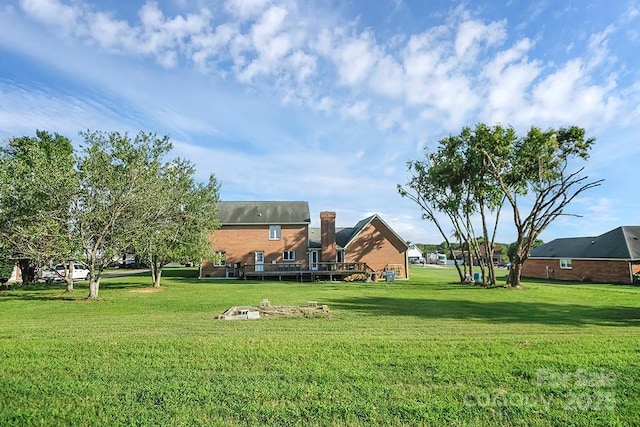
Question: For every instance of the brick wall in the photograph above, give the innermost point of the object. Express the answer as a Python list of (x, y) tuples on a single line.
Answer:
[(602, 271), (328, 236), (241, 242), (373, 246)]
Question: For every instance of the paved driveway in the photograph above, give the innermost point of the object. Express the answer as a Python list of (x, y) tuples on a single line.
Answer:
[(124, 272)]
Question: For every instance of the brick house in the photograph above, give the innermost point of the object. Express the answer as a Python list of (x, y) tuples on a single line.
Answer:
[(613, 257), (274, 239)]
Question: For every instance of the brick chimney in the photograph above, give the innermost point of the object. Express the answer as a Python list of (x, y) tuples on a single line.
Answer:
[(328, 236)]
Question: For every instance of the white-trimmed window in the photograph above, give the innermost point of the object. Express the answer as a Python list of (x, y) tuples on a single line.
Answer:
[(289, 255), (274, 232), (565, 263), (340, 255), (220, 259)]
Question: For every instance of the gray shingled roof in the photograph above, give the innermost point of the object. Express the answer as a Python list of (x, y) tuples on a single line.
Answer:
[(263, 213), (343, 235), (619, 243)]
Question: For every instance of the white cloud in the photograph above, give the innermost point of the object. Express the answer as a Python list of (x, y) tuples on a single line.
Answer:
[(358, 110), (388, 78), (52, 12), (435, 71), (472, 34), (212, 46), (390, 119), (602, 208), (269, 42), (23, 110), (246, 9), (303, 65), (630, 14), (354, 57), (510, 75), (326, 104), (567, 96), (598, 48), (113, 34), (438, 79)]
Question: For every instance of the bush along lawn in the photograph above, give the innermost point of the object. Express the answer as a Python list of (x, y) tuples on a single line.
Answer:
[(426, 351)]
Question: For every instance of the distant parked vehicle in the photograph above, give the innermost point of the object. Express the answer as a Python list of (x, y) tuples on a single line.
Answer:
[(49, 275), (57, 274)]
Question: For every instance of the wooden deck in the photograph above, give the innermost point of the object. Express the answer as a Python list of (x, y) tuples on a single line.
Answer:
[(329, 271)]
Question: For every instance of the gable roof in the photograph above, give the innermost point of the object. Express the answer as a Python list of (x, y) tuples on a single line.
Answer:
[(344, 236), (619, 243), (400, 244), (276, 213)]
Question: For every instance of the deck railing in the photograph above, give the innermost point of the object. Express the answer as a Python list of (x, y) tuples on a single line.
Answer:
[(294, 267), (271, 268), (339, 266)]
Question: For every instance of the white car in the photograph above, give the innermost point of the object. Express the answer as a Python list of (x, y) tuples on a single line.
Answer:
[(80, 271)]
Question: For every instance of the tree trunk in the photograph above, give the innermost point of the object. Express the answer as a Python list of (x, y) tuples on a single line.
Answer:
[(455, 262), (156, 273), (514, 274), (68, 278), (491, 272), (156, 278), (94, 287), (69, 281), (490, 278), (27, 271)]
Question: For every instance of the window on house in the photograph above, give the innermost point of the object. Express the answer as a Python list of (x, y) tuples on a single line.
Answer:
[(566, 264), (289, 255), (274, 232), (220, 259), (340, 256)]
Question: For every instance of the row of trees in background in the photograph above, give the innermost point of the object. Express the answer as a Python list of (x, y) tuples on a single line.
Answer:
[(472, 176), (117, 195)]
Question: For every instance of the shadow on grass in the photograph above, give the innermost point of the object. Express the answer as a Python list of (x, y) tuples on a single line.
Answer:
[(180, 272), (32, 293), (111, 280), (57, 292), (505, 312)]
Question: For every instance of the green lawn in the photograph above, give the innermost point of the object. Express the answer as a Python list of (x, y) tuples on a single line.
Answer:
[(420, 352)]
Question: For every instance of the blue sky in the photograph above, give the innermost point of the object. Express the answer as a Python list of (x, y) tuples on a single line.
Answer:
[(326, 101)]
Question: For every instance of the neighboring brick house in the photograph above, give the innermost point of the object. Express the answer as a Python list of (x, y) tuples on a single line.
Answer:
[(274, 238), (613, 257)]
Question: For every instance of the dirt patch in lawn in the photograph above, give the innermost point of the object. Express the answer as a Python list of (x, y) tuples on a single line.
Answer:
[(145, 290), (267, 311)]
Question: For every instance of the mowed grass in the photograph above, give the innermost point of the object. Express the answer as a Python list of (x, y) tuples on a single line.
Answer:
[(420, 352)]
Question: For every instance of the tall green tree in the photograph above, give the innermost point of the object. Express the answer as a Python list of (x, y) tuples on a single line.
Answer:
[(536, 177), (181, 214), (454, 181), (116, 173), (38, 184), (479, 170)]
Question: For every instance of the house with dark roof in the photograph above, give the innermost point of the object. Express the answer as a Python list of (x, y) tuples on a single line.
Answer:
[(275, 240), (613, 257)]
